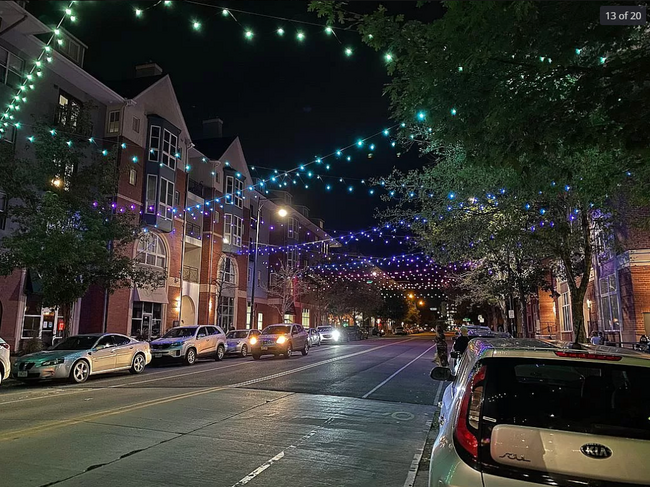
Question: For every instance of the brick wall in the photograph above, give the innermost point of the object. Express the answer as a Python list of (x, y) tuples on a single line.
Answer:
[(640, 277), (10, 292)]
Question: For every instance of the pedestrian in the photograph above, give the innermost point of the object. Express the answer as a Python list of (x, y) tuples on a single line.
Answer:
[(602, 338), (643, 340), (595, 339), (441, 358), (462, 341)]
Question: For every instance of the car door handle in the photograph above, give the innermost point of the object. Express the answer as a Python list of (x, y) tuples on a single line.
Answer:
[(112, 351), (130, 348)]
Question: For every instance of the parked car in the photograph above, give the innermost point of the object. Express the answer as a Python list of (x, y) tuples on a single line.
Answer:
[(329, 334), (352, 333), (241, 341), (5, 364), (400, 330), (529, 412), (188, 343), (364, 333), (281, 339), (80, 356), (314, 337)]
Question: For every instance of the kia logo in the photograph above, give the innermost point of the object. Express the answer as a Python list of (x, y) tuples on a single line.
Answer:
[(596, 450)]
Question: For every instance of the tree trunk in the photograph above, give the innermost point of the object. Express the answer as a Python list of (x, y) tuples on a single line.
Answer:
[(523, 313), (578, 318), (66, 312)]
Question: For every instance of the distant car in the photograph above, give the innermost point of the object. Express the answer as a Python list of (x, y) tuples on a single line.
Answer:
[(314, 337), (400, 330), (364, 333), (526, 413), (187, 343), (5, 364), (329, 334), (281, 339), (352, 333), (241, 341), (80, 356)]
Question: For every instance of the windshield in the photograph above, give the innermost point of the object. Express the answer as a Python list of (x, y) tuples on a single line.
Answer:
[(324, 328), (237, 334), (180, 333), (277, 330), (585, 397), (77, 343)]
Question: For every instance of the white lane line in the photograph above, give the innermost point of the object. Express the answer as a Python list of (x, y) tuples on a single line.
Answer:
[(259, 470), (365, 396)]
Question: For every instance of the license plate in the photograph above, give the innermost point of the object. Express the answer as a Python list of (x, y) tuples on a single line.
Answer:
[(22, 374), (157, 355), (265, 348)]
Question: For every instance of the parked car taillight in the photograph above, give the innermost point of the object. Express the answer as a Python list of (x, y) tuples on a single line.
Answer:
[(4, 345), (468, 420)]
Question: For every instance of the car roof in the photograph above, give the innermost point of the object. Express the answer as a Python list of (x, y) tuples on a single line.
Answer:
[(188, 326), (536, 348)]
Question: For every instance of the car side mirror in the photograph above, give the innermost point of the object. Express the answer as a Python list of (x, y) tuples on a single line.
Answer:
[(442, 373)]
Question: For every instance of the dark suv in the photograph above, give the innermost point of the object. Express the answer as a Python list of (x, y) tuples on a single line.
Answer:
[(281, 339)]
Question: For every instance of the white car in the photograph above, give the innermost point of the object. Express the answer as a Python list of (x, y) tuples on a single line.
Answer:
[(5, 364), (525, 413), (187, 343), (241, 342)]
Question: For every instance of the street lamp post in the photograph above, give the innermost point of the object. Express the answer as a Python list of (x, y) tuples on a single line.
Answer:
[(282, 213)]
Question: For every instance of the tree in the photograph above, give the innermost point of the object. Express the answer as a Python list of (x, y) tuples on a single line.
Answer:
[(539, 89), (393, 308), (354, 298), (68, 229), (286, 286), (412, 315)]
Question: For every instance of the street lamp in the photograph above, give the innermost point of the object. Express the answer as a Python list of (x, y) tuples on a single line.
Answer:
[(282, 212)]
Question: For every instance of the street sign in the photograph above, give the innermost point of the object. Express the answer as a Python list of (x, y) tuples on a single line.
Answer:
[(511, 313), (480, 318)]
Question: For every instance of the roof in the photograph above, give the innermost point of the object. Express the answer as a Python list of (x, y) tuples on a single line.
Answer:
[(130, 88), (214, 148)]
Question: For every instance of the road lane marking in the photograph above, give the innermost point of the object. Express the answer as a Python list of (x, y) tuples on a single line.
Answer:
[(365, 396), (259, 470), (154, 402)]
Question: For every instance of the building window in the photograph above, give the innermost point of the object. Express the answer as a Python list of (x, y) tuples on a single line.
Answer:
[(114, 122), (146, 320), (293, 259), (177, 199), (152, 183), (67, 113), (32, 319), (4, 205), (133, 176), (235, 191), (292, 228), (609, 303), (260, 321), (136, 125), (154, 143), (288, 318), (233, 229), (228, 271), (71, 49), (166, 207), (151, 251), (248, 315), (11, 68), (305, 318), (250, 274), (169, 149), (565, 317), (226, 313)]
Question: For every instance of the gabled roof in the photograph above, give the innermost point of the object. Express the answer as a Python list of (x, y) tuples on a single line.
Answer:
[(130, 88), (214, 148)]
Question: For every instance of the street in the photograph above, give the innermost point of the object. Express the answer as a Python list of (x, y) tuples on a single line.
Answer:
[(352, 414)]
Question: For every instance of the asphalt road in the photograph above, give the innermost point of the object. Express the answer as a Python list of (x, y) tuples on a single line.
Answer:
[(355, 414)]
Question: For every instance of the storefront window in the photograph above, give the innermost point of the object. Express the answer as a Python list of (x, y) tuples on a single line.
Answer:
[(226, 312), (146, 320), (32, 320)]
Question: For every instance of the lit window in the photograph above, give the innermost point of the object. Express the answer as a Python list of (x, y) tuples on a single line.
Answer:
[(133, 176), (235, 191), (226, 312), (151, 251), (228, 270), (114, 122), (233, 229), (68, 111)]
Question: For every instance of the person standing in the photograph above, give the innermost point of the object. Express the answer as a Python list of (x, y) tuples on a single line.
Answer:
[(441, 358), (595, 339), (462, 341)]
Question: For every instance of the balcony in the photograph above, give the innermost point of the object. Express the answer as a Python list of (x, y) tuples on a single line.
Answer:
[(190, 274), (193, 230), (196, 187)]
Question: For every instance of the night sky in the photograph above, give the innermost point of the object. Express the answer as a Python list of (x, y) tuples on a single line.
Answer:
[(288, 101)]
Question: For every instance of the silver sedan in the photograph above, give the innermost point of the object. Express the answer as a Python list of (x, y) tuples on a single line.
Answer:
[(78, 357), (240, 342)]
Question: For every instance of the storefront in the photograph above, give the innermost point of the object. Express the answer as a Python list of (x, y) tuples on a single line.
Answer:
[(147, 313)]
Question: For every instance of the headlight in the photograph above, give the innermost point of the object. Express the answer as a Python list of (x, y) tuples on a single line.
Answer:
[(177, 344), (56, 361), (281, 339), (336, 334), (253, 340)]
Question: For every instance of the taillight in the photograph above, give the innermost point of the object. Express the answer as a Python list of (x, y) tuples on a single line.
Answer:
[(591, 356), (4, 345), (470, 411)]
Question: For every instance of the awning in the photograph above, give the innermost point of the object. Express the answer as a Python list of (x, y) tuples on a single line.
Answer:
[(33, 282), (156, 296)]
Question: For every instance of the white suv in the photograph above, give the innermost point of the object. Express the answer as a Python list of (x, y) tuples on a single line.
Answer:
[(530, 412)]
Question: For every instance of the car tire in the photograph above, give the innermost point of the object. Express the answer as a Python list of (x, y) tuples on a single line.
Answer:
[(190, 357), (138, 364), (2, 374), (256, 356), (221, 353), (244, 350), (288, 351), (305, 349), (80, 372)]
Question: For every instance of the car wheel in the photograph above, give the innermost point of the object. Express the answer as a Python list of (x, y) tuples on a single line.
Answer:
[(138, 365), (305, 349), (80, 372), (288, 351), (190, 357), (256, 356), (244, 350), (221, 353)]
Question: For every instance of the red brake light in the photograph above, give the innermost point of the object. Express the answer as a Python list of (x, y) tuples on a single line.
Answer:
[(4, 345), (470, 411), (591, 356)]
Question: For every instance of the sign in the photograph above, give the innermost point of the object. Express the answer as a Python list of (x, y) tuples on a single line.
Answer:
[(481, 319), (433, 309), (60, 325), (511, 313)]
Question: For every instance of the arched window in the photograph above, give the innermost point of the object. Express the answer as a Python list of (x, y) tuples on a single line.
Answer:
[(228, 270), (151, 251)]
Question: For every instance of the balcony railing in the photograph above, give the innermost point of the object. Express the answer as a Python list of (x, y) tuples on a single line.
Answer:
[(196, 187), (190, 274), (193, 230)]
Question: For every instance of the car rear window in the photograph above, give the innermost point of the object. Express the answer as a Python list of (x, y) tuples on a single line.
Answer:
[(590, 397)]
